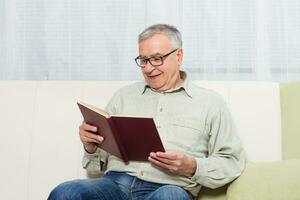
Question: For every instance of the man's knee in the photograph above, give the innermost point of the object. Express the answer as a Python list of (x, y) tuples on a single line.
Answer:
[(65, 191), (170, 192)]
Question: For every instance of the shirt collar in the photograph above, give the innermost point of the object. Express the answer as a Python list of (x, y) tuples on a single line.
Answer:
[(185, 86)]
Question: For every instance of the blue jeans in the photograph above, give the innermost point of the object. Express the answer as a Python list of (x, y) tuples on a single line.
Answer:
[(114, 186)]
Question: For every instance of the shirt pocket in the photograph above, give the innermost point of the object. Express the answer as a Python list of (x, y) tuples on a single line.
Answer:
[(187, 135), (187, 124)]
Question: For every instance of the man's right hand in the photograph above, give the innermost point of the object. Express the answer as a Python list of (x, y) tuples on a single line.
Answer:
[(88, 138)]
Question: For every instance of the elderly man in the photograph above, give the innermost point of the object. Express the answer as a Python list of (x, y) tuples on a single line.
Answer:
[(194, 124)]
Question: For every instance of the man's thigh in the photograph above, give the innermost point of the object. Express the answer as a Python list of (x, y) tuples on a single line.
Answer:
[(89, 189), (169, 192)]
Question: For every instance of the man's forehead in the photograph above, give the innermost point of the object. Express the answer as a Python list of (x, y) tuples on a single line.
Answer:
[(152, 55)]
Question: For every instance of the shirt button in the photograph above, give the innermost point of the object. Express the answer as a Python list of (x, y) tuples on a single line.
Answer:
[(157, 126), (142, 173), (161, 109)]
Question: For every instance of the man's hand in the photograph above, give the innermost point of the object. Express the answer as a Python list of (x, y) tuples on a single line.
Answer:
[(174, 162), (89, 139)]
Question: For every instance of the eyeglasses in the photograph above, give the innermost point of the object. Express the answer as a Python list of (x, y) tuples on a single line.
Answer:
[(155, 61)]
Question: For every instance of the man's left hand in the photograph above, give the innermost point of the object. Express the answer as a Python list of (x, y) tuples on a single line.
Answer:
[(174, 162)]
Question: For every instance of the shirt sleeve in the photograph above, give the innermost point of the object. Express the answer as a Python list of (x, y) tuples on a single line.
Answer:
[(226, 158), (96, 163)]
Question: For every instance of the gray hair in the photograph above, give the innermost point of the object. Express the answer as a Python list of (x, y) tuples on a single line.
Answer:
[(170, 31)]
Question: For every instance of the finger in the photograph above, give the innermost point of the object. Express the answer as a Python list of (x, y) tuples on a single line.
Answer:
[(161, 165), (91, 135), (163, 160), (88, 127), (87, 140), (167, 155)]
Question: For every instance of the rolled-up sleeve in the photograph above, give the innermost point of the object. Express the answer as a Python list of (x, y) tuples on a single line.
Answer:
[(95, 163)]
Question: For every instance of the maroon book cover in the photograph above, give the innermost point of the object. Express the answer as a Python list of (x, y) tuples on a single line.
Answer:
[(129, 138)]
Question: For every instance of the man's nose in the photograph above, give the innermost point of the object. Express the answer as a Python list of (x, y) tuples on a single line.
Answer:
[(148, 67)]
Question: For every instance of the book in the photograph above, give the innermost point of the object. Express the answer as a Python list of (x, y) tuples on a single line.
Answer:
[(130, 138)]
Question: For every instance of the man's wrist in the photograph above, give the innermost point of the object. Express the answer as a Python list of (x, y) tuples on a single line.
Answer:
[(90, 151), (193, 167)]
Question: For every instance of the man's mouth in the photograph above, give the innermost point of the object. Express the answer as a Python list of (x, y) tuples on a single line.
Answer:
[(154, 75)]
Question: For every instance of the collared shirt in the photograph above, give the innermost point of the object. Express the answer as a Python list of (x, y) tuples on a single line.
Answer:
[(189, 119)]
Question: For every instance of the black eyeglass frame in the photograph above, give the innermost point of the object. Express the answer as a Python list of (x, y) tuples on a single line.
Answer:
[(162, 58)]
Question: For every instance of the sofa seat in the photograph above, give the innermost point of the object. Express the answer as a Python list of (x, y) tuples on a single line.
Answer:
[(40, 147)]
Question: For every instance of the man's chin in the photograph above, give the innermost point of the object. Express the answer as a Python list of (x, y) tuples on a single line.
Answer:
[(153, 85), (156, 87)]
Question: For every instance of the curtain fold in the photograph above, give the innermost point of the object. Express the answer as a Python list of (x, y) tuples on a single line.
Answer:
[(97, 40)]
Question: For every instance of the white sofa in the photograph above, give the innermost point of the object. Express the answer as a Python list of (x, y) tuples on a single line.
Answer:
[(40, 146)]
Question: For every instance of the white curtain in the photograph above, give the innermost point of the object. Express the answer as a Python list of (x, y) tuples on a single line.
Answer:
[(97, 40)]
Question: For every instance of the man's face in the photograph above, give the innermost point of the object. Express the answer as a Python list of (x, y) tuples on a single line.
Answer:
[(166, 76)]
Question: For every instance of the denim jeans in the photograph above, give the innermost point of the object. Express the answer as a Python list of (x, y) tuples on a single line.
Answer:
[(114, 186)]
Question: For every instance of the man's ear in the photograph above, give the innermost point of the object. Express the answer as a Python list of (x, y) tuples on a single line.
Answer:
[(180, 55)]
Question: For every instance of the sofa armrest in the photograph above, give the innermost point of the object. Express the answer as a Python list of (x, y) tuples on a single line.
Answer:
[(278, 180)]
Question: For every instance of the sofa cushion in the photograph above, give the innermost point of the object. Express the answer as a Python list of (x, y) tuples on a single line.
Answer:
[(290, 112), (213, 194), (267, 181)]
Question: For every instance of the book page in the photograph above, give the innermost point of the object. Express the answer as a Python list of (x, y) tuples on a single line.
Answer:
[(95, 109)]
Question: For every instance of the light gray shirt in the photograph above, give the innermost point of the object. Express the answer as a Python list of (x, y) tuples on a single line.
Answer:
[(189, 119)]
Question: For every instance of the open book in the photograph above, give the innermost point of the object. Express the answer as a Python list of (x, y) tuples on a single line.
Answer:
[(129, 138)]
